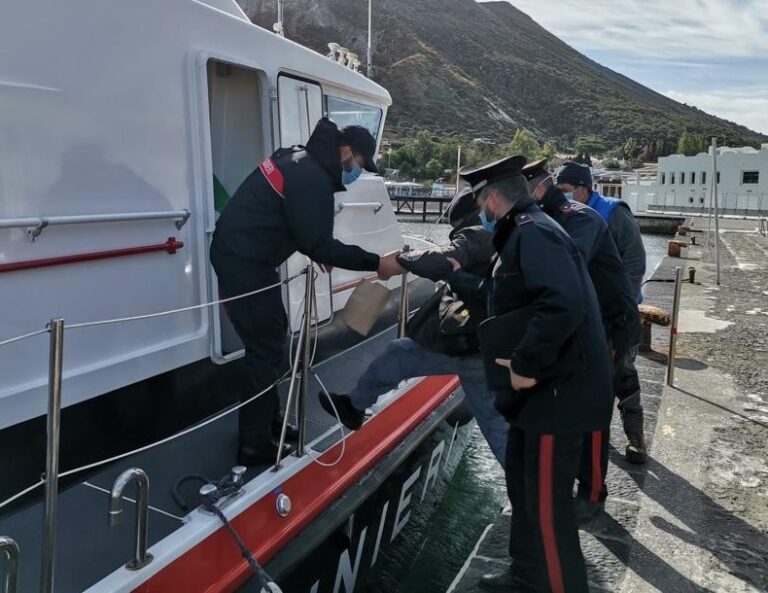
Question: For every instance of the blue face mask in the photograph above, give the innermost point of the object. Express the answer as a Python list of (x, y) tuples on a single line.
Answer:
[(349, 177), (488, 225)]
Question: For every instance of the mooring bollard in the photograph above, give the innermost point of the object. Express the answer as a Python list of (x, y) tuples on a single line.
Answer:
[(673, 330), (52, 454)]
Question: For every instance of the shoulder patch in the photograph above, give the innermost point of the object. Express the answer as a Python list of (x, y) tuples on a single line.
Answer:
[(571, 207), (273, 175), (522, 219)]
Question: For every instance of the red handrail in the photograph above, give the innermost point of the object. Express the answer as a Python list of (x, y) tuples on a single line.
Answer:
[(170, 246)]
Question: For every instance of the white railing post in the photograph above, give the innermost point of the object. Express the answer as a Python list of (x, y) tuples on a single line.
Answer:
[(52, 455)]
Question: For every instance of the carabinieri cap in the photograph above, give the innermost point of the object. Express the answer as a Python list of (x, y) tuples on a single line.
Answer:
[(479, 177)]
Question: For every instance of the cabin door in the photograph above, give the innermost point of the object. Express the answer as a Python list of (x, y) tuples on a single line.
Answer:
[(239, 138), (300, 107)]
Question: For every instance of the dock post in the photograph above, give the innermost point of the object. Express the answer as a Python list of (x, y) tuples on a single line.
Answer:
[(673, 330), (56, 329), (306, 363), (402, 315)]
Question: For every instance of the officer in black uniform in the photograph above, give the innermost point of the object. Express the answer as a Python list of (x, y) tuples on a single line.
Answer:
[(618, 308), (285, 205), (538, 266)]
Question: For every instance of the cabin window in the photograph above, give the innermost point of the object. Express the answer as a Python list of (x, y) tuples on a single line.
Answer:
[(672, 179), (350, 113), (703, 177), (663, 178), (750, 177), (693, 178), (300, 108), (682, 178), (718, 177)]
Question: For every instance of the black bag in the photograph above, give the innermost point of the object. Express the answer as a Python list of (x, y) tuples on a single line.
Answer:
[(499, 337), (444, 324)]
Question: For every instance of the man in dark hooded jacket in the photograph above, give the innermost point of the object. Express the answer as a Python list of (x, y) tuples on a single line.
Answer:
[(434, 353), (285, 205)]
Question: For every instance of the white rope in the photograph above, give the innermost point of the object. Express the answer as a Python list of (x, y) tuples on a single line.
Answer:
[(24, 336), (153, 315), (18, 495), (341, 428), (182, 309), (173, 437)]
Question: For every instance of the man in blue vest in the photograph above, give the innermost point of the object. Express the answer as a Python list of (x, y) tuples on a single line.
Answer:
[(575, 180)]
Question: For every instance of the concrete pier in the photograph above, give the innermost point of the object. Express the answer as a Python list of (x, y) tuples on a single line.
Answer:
[(695, 518)]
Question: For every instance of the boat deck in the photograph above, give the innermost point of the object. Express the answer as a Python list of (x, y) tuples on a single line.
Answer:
[(87, 549)]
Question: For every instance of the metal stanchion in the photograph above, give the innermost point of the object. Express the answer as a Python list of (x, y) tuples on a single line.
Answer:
[(673, 330), (306, 353), (402, 315), (52, 456), (10, 549)]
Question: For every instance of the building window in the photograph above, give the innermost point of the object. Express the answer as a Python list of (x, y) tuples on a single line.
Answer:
[(718, 177), (663, 178), (750, 177), (672, 179), (693, 178), (682, 178), (703, 177)]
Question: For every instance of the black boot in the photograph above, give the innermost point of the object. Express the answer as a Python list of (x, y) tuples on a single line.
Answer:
[(349, 415), (504, 582), (291, 432), (587, 511), (636, 451)]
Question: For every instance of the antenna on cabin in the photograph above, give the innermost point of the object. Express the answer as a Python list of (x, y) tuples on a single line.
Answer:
[(278, 26), (369, 69)]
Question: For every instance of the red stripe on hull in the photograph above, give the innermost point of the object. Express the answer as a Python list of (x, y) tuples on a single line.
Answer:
[(546, 513), (215, 565)]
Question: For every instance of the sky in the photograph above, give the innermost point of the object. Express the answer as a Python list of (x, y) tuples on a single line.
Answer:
[(709, 53)]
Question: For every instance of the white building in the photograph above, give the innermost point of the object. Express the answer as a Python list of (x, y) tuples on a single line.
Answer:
[(683, 183)]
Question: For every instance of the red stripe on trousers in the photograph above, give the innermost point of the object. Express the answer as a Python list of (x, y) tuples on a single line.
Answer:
[(546, 518), (597, 477)]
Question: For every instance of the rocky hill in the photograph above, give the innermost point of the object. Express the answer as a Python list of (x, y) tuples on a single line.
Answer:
[(485, 69)]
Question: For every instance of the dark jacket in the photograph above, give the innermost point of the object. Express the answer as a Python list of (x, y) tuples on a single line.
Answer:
[(539, 266), (589, 232), (444, 324), (259, 229)]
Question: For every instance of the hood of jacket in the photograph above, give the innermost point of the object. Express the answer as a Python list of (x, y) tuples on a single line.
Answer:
[(324, 146)]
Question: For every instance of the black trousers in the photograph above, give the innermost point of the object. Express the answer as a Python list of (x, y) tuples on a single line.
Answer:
[(544, 542), (261, 323), (594, 459)]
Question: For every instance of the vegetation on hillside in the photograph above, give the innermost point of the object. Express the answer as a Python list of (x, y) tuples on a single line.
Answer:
[(460, 68)]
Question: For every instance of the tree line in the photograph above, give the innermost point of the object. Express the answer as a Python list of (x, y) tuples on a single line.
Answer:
[(428, 158)]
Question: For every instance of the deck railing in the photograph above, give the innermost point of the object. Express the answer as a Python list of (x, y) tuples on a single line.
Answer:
[(300, 372)]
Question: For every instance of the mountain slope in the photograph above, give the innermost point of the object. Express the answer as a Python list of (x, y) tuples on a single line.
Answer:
[(484, 69)]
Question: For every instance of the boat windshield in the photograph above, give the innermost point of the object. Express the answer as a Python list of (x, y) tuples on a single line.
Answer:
[(350, 113)]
